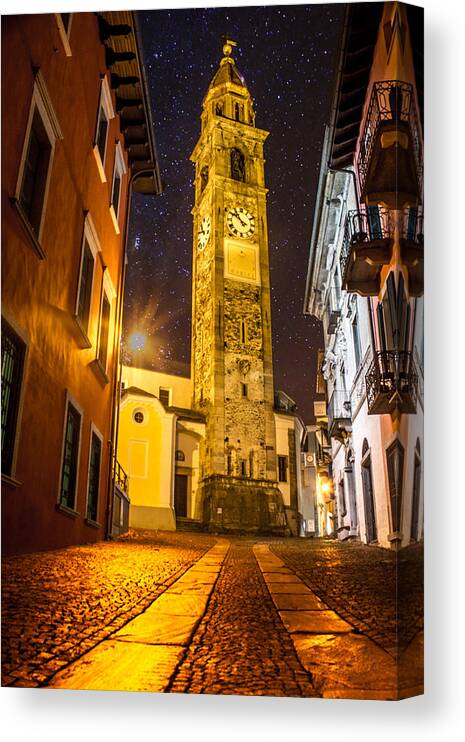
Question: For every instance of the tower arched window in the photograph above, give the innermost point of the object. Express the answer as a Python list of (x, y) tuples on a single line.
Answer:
[(236, 112), (237, 165), (203, 178)]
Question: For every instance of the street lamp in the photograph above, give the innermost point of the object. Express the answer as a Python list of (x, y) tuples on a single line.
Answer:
[(137, 341)]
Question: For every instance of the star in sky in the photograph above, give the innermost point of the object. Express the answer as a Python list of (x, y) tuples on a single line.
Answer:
[(287, 55)]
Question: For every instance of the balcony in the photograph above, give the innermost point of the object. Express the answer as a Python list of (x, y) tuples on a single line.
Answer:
[(390, 159), (411, 248), (323, 451), (366, 247), (339, 415), (392, 383)]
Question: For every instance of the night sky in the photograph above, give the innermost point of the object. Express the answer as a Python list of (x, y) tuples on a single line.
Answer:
[(287, 55)]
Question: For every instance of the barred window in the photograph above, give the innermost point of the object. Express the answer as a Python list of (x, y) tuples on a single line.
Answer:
[(13, 353), (95, 457), (70, 456)]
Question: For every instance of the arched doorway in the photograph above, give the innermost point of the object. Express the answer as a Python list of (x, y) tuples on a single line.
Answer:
[(368, 494), (416, 493)]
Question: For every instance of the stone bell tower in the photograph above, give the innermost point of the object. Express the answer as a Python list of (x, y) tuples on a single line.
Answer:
[(231, 320)]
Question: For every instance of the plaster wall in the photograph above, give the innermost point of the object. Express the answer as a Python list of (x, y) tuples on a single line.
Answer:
[(39, 295), (180, 386), (146, 452)]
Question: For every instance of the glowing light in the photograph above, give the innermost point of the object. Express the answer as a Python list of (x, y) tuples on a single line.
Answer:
[(137, 341), (325, 487)]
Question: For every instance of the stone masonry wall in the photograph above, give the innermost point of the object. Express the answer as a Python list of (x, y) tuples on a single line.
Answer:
[(243, 364)]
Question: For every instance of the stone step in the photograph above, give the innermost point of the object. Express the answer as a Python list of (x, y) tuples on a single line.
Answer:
[(189, 524)]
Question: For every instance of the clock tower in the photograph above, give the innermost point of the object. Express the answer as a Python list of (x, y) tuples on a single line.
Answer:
[(232, 368)]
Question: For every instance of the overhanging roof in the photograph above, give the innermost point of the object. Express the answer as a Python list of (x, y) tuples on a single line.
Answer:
[(360, 33), (119, 33)]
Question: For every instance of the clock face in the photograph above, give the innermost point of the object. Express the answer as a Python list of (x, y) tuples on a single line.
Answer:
[(204, 232), (241, 222)]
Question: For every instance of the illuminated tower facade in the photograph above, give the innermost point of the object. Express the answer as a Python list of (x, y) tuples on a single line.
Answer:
[(231, 319)]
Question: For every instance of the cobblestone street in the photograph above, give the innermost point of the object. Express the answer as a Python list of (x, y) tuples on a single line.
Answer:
[(182, 612)]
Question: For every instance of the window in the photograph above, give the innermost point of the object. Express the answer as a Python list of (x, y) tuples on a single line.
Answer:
[(243, 331), (164, 396), (356, 339), (104, 332), (85, 285), (243, 465), (374, 221), (245, 390), (90, 247), (71, 444), (203, 178), (93, 486), (282, 468), (107, 296), (395, 467), (13, 355), (237, 165), (118, 171), (180, 455), (34, 173), (105, 114), (138, 417)]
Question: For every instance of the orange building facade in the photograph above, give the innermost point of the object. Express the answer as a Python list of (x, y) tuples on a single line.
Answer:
[(77, 141)]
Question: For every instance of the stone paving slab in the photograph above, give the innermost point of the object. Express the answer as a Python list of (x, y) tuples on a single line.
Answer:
[(241, 646), (272, 569), (347, 666), (144, 654), (380, 592), (157, 627), (297, 602), (287, 579), (175, 604), (116, 665), (342, 664), (58, 605), (314, 622), (291, 588)]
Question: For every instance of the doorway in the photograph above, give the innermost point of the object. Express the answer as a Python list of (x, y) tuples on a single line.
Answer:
[(180, 495), (416, 494), (368, 496)]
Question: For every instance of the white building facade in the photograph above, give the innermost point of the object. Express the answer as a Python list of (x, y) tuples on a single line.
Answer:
[(365, 283)]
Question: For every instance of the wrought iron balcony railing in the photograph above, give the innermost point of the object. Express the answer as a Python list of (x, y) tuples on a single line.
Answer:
[(392, 383), (339, 413), (412, 247), (121, 479), (412, 225), (367, 231), (392, 111)]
